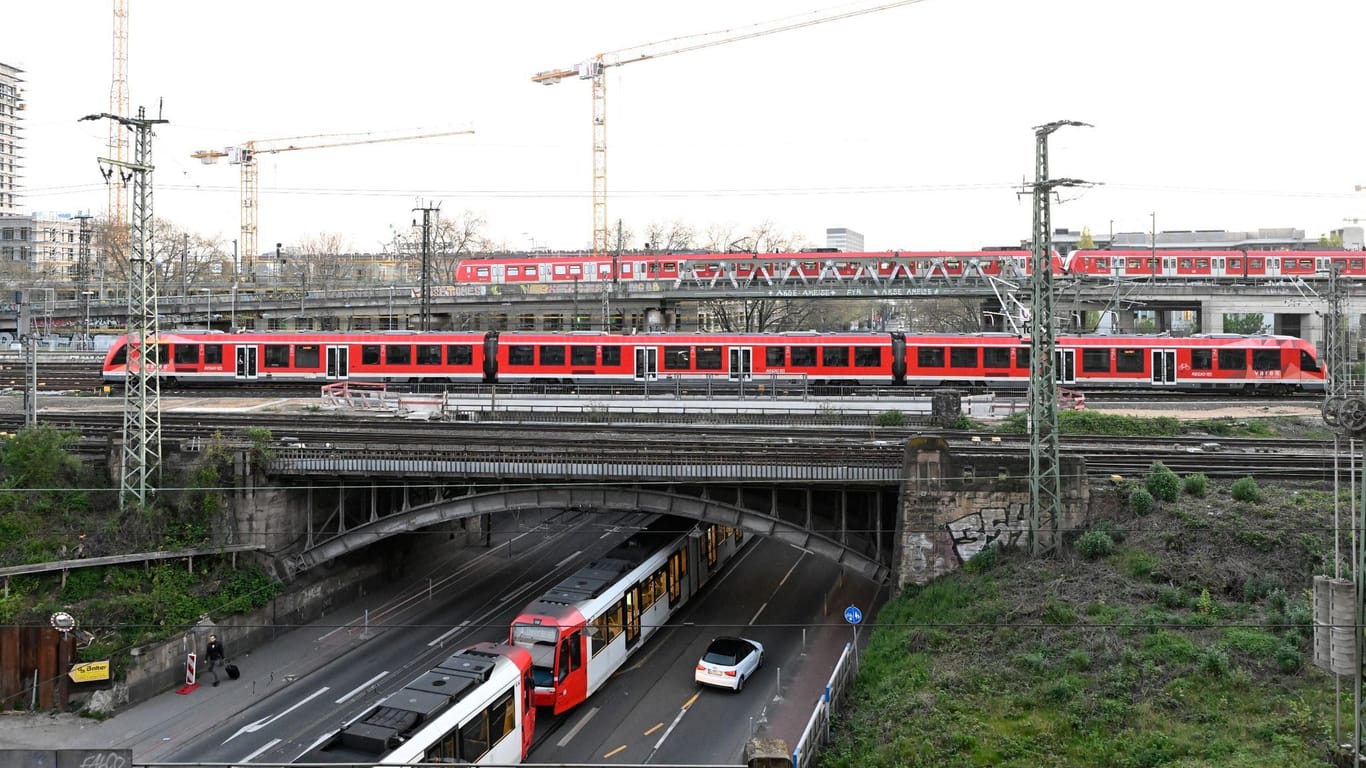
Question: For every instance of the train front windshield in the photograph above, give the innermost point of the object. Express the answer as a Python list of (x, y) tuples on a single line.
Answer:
[(540, 640)]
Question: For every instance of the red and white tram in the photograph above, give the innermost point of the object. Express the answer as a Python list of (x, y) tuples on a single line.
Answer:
[(1228, 361), (474, 707), (583, 630)]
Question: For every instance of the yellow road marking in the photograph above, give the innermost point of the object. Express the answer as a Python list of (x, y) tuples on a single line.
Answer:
[(689, 702), (613, 752), (655, 728)]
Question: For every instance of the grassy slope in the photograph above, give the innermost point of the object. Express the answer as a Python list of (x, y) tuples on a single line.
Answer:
[(1188, 645)]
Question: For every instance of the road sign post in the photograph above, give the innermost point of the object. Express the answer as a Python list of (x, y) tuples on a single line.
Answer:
[(854, 616)]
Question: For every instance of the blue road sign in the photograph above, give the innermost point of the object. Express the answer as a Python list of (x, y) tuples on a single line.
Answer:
[(853, 615)]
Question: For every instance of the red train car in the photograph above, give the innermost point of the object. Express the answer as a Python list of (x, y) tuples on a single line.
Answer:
[(1272, 363)]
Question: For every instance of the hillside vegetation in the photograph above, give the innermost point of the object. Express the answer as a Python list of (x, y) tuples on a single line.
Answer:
[(1177, 632)]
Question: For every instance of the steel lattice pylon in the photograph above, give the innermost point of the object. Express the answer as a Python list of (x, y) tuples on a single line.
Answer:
[(1045, 480), (141, 455)]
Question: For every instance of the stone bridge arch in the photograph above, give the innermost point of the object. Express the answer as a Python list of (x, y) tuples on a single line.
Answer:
[(586, 497)]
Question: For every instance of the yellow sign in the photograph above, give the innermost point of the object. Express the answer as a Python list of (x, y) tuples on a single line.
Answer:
[(89, 672)]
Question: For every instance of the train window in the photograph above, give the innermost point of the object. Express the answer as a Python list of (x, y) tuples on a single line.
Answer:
[(1202, 263), (369, 354), (670, 267), (474, 738), (647, 594), (429, 354), (929, 357), (802, 357), (459, 354), (502, 718), (521, 354), (1233, 359), (1354, 264), (1102, 262), (307, 356), (213, 353), (1256, 263), (835, 357), (277, 356), (1235, 263), (582, 354), (1095, 360), (708, 358), (552, 354), (514, 271), (1185, 264), (963, 357), (1133, 263), (605, 269), (1307, 362), (1202, 359), (774, 357), (1306, 263), (187, 354), (615, 622), (996, 357), (120, 357), (398, 354), (867, 357), (676, 358), (1022, 357), (1266, 359), (1129, 360), (481, 272), (159, 353), (559, 269), (611, 355), (576, 270)]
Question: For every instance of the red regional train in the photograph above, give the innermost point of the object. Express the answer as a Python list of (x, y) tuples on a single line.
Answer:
[(585, 628), (474, 707), (1001, 361), (1175, 265)]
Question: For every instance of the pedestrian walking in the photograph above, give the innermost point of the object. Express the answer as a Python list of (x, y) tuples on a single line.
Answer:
[(214, 655)]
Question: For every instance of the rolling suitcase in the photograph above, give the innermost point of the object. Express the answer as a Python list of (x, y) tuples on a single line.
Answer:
[(233, 671)]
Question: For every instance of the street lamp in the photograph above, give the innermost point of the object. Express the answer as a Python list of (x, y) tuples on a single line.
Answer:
[(232, 318), (208, 309)]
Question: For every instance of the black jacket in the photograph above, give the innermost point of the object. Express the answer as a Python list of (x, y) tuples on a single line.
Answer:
[(215, 650)]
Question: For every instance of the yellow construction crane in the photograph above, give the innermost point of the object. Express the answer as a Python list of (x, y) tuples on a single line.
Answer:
[(593, 68), (245, 156)]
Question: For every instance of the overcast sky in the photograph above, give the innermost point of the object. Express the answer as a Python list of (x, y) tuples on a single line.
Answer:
[(912, 125)]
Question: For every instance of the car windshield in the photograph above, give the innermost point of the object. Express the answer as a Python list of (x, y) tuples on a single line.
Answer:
[(722, 659), (726, 651)]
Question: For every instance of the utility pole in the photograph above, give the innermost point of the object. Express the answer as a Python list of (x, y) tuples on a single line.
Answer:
[(141, 454), (425, 313), (1045, 481), (83, 273)]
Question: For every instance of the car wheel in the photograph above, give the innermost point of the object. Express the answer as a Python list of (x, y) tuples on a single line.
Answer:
[(761, 660), (740, 684)]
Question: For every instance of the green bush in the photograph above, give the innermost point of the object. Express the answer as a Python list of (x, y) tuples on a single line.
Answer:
[(1214, 662), (1094, 545), (1140, 501), (890, 419), (1246, 489), (1163, 483), (1110, 528), (1288, 658), (1260, 585), (1197, 484)]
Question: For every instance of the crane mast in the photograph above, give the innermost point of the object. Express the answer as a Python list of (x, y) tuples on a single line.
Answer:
[(594, 67), (118, 105)]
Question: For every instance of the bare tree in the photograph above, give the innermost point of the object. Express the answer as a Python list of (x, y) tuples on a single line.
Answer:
[(323, 252), (669, 237), (762, 315), (185, 260), (451, 241)]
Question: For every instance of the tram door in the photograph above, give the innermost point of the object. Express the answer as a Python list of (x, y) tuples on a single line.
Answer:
[(337, 367), (1065, 365), (647, 364), (1164, 367), (246, 361), (741, 363)]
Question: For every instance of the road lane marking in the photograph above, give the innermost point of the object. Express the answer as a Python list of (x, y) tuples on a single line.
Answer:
[(360, 687), (255, 754), (656, 727), (575, 730), (781, 582), (613, 752), (263, 722), (448, 633), (683, 710), (568, 559)]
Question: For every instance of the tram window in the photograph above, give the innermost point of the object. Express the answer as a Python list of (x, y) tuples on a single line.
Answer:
[(963, 357), (611, 355), (1233, 359), (429, 354), (521, 354), (582, 354), (213, 353), (1307, 362), (474, 738), (802, 357), (774, 357), (996, 357), (708, 358), (1202, 360), (1266, 359), (307, 356), (277, 356), (867, 357), (369, 354), (1022, 357), (1129, 360), (552, 354), (929, 357), (835, 357), (459, 354), (1095, 360), (398, 354), (502, 718), (647, 594), (676, 358), (597, 634), (615, 623), (187, 354)]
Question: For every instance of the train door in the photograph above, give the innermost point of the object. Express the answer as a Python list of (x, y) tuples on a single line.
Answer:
[(246, 361), (741, 363), (337, 367), (571, 672), (632, 616), (498, 274), (1164, 367), (1065, 365), (647, 364)]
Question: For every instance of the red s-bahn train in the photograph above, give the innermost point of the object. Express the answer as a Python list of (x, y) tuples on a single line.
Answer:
[(1214, 361), (891, 266)]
